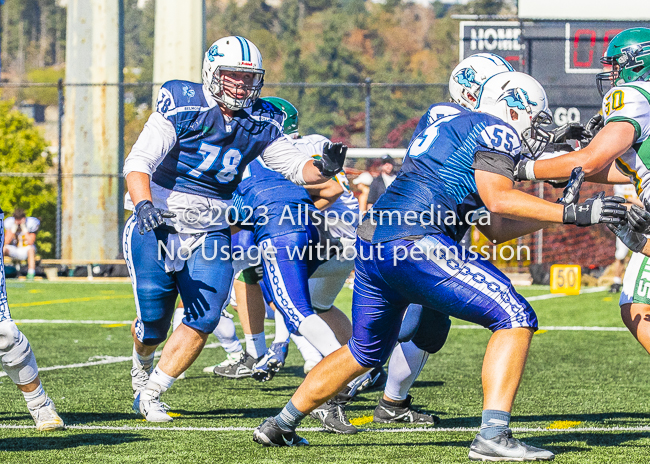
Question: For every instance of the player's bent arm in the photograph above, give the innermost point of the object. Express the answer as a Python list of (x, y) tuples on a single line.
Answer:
[(501, 198), (9, 237), (138, 184), (502, 229), (298, 167), (609, 175), (611, 142), (325, 194)]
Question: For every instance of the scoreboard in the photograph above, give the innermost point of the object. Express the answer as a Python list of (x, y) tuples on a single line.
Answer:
[(564, 56)]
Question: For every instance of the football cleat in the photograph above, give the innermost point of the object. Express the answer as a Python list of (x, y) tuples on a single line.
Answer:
[(139, 379), (269, 433), (151, 408), (46, 417), (271, 363), (376, 380), (231, 358), (615, 288), (386, 413), (241, 369), (504, 447), (332, 415)]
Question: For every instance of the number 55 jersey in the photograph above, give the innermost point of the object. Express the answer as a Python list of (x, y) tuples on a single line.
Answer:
[(631, 103), (196, 155)]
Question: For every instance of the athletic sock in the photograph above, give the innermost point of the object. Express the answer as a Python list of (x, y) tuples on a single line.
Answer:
[(289, 418), (158, 381), (144, 363), (281, 331), (494, 422), (255, 344), (35, 398), (307, 350), (227, 335), (319, 334), (394, 404), (406, 363)]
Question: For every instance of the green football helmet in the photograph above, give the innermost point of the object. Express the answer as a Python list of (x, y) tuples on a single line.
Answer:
[(290, 113), (628, 54)]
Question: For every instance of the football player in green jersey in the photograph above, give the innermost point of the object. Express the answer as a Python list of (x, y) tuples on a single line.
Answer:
[(619, 153)]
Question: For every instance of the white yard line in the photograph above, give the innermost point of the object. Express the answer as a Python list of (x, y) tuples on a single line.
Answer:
[(560, 295), (317, 429), (111, 360)]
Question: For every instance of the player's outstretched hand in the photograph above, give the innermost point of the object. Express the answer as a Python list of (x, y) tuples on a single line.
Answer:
[(333, 159), (596, 210), (571, 193), (633, 240), (150, 217), (570, 131), (638, 219)]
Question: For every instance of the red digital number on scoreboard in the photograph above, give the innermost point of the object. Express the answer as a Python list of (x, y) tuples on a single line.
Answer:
[(585, 47)]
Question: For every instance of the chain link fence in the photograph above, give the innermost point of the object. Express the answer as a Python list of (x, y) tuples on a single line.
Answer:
[(362, 114)]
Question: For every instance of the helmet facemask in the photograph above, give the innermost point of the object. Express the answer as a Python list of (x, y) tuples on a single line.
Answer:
[(535, 138), (236, 96)]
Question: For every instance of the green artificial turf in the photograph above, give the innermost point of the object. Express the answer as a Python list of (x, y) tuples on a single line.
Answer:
[(574, 380)]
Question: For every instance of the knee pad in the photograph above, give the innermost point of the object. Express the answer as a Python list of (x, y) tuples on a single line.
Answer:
[(17, 358), (432, 333)]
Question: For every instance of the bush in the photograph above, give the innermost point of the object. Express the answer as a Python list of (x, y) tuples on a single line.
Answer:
[(22, 149)]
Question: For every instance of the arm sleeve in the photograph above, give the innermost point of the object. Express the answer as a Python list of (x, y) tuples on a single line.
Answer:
[(283, 157), (495, 163), (155, 141)]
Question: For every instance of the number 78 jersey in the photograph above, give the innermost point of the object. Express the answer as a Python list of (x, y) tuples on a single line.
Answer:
[(211, 153), (631, 103)]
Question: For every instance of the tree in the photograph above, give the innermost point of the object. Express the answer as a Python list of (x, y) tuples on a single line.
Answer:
[(22, 149)]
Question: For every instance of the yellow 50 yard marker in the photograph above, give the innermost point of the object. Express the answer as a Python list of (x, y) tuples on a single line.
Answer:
[(566, 278)]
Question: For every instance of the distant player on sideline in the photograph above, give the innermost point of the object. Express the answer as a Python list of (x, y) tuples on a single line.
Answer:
[(618, 154), (181, 174), (19, 363), (20, 239), (461, 163)]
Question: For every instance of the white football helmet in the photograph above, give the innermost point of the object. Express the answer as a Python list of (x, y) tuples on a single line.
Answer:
[(238, 54), (470, 74), (521, 101)]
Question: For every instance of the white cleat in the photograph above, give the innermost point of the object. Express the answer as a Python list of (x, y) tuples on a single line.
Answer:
[(152, 409), (46, 417), (231, 360)]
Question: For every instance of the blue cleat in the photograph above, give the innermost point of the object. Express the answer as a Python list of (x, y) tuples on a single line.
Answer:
[(271, 363)]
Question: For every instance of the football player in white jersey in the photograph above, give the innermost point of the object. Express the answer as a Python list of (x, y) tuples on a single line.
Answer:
[(18, 361), (20, 239), (181, 175), (620, 153)]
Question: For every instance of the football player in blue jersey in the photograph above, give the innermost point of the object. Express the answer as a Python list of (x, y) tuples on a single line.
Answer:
[(408, 253), (181, 175)]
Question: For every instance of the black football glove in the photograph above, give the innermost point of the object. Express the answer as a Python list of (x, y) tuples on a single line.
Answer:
[(596, 210), (570, 131), (333, 159), (595, 124), (150, 217), (571, 193), (524, 170), (633, 240), (638, 219)]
